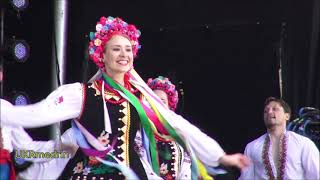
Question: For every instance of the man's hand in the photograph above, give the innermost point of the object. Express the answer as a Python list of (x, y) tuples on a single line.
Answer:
[(238, 160)]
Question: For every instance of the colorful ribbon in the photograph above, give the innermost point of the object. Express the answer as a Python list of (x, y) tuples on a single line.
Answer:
[(146, 124), (198, 169)]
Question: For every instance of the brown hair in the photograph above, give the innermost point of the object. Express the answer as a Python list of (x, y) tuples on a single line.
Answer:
[(282, 103)]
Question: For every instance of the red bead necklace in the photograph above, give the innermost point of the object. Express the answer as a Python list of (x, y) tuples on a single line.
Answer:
[(282, 158), (112, 91)]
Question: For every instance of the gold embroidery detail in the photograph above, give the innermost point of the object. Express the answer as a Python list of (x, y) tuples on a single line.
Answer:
[(107, 94), (125, 119), (125, 129), (178, 154), (94, 86), (128, 131)]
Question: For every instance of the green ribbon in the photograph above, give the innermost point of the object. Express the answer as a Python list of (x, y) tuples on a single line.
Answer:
[(146, 124)]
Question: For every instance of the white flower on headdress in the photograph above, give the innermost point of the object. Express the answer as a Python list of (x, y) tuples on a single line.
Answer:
[(138, 34), (99, 27), (91, 51), (110, 19)]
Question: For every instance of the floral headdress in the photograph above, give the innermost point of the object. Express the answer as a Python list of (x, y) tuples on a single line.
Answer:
[(162, 83), (105, 29)]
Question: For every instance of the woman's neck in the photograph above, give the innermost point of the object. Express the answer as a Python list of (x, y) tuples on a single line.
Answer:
[(117, 77)]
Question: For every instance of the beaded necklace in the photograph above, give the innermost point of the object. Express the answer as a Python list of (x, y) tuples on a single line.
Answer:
[(282, 158)]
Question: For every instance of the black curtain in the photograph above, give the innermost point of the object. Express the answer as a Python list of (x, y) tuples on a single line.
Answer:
[(301, 61)]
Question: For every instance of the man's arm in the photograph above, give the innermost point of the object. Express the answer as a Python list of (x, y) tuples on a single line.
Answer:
[(206, 148), (248, 172), (310, 160)]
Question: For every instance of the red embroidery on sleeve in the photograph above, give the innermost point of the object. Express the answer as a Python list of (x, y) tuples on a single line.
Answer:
[(60, 99)]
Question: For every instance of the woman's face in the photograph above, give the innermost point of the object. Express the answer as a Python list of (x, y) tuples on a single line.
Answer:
[(118, 56), (163, 96)]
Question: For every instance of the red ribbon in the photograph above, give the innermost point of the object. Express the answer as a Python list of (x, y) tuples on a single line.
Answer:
[(5, 158)]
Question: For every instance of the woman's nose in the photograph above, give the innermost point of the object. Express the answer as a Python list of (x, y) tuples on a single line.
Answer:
[(122, 53)]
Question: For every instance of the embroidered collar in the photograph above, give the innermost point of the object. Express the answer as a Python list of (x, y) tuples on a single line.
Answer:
[(281, 161)]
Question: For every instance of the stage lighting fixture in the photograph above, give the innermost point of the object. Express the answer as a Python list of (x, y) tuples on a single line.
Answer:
[(20, 98), (20, 50), (19, 5)]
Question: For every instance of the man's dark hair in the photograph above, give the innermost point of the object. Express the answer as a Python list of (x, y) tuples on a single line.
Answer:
[(282, 103)]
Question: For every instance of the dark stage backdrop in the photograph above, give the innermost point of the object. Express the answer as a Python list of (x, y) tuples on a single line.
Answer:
[(301, 58), (33, 77)]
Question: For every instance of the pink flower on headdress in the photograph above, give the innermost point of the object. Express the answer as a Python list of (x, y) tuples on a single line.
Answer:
[(103, 20), (164, 84), (95, 59), (97, 35), (99, 49)]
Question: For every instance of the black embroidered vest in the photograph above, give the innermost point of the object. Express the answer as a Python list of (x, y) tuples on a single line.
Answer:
[(124, 124)]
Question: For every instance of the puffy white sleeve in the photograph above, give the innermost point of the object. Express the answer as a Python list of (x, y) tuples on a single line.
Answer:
[(22, 141), (62, 104), (206, 148), (310, 160), (44, 170), (248, 172), (53, 168)]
